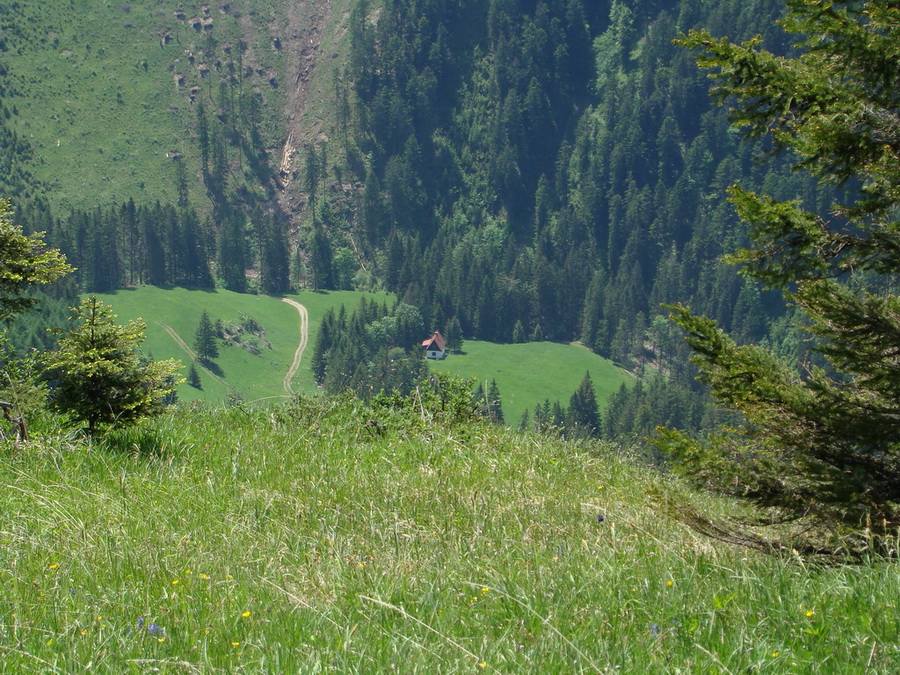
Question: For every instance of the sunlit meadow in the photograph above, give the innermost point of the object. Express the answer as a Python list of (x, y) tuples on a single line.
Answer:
[(329, 536)]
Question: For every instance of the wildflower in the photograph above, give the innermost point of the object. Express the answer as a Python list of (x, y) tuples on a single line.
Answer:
[(599, 487), (670, 583), (187, 571), (235, 644), (175, 582), (809, 613), (485, 590), (53, 566), (246, 615), (600, 518), (84, 632), (203, 576), (775, 655), (654, 629), (155, 629), (483, 664), (162, 639)]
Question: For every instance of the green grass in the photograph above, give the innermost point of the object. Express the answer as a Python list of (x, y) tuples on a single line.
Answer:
[(97, 99), (527, 374), (254, 377), (304, 539)]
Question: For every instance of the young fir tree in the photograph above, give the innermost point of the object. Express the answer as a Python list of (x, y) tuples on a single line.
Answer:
[(819, 446), (99, 375), (453, 335), (205, 339), (582, 416)]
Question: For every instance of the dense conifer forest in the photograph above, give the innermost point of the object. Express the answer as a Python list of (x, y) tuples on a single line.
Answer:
[(523, 169)]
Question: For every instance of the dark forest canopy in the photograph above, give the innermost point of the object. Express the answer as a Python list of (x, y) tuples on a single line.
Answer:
[(548, 169)]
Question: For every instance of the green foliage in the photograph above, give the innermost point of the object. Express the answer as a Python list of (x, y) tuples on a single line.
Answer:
[(439, 545), (205, 339), (100, 378), (24, 261), (821, 447)]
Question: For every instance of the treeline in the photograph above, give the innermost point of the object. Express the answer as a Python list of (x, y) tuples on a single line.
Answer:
[(130, 245), (370, 350), (554, 168)]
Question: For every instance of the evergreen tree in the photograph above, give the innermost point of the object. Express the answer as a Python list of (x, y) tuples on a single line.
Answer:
[(583, 417), (818, 447), (99, 375), (453, 335), (24, 261), (518, 333), (495, 405), (205, 339)]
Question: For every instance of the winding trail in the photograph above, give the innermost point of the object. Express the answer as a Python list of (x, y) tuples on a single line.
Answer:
[(304, 340), (192, 354)]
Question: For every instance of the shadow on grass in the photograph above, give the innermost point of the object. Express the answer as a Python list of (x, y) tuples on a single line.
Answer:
[(213, 367), (135, 441)]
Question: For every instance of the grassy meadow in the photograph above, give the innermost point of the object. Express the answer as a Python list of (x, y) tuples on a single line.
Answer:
[(98, 98), (528, 373), (324, 535), (237, 370)]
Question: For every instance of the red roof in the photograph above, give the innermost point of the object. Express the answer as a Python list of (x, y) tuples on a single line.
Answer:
[(436, 341)]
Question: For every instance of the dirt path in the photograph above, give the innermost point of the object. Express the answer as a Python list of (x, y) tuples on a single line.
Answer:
[(191, 353), (304, 340)]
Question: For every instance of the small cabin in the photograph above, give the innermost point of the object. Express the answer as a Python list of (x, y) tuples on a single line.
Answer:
[(435, 347)]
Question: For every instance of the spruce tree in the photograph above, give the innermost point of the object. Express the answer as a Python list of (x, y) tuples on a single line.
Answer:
[(205, 339), (453, 335), (583, 417), (24, 261), (817, 446), (495, 405), (99, 375)]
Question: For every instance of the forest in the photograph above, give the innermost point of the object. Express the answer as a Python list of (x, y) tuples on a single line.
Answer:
[(523, 169)]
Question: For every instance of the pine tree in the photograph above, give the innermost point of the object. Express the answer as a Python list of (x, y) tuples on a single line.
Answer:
[(582, 416), (99, 375), (24, 261), (205, 339), (818, 447), (453, 335), (495, 405)]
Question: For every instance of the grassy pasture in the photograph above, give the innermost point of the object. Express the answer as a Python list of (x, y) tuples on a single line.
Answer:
[(254, 377), (528, 373), (96, 91), (297, 539)]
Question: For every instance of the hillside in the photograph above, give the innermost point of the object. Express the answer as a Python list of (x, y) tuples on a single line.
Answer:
[(528, 374), (310, 537), (107, 96), (252, 366), (550, 169)]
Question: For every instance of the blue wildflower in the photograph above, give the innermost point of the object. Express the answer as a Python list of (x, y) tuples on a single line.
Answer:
[(654, 629), (140, 622), (154, 629), (600, 518)]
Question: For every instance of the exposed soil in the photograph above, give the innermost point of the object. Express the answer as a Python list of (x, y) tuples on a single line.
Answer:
[(304, 340), (302, 44)]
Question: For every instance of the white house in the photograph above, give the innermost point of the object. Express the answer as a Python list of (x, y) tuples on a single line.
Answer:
[(435, 346)]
